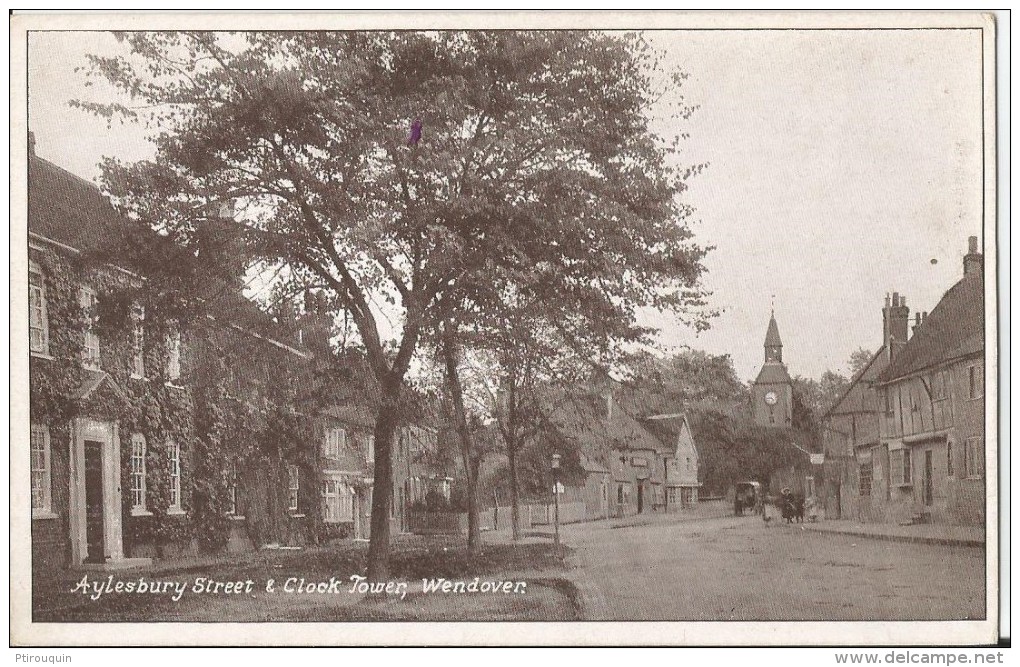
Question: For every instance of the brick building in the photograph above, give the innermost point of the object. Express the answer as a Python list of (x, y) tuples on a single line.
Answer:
[(166, 421)]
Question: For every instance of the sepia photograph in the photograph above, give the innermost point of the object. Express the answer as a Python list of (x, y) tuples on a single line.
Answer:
[(495, 329)]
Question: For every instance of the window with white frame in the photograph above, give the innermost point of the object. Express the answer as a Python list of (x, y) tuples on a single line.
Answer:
[(974, 458), (370, 448), (907, 473), (336, 441), (40, 447), (976, 381), (138, 473), (337, 501), (87, 299), (38, 323), (173, 362), (293, 487), (175, 475), (138, 340)]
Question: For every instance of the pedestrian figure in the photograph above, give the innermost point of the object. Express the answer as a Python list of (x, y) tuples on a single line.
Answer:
[(811, 504), (786, 504)]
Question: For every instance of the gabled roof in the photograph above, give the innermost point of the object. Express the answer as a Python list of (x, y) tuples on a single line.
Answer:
[(772, 338), (954, 329), (590, 465), (93, 380), (848, 400), (667, 427), (583, 418)]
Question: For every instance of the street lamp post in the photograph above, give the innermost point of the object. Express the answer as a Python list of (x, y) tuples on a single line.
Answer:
[(556, 501)]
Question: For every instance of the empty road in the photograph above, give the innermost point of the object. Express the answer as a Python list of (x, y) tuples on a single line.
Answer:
[(733, 568)]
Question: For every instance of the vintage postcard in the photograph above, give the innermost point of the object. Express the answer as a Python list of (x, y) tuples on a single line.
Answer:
[(501, 329)]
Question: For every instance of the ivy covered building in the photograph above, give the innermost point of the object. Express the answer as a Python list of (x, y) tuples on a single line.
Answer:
[(168, 421)]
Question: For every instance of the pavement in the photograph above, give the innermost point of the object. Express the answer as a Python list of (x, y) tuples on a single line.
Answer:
[(972, 536)]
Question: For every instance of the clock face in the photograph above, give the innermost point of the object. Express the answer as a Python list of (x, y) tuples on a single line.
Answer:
[(770, 398)]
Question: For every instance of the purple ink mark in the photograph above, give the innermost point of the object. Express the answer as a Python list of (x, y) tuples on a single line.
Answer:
[(415, 133)]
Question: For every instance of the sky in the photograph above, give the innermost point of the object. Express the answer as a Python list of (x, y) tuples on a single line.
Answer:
[(842, 166)]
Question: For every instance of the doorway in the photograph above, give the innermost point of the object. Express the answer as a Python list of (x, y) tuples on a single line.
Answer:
[(95, 518), (640, 498), (94, 502)]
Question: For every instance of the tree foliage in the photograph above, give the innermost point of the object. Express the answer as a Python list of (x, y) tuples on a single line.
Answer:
[(536, 164)]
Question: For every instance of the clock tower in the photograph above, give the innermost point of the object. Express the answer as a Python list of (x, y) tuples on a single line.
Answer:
[(772, 391)]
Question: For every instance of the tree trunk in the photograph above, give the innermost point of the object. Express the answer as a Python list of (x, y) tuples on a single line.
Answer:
[(386, 424), (474, 515), (515, 495), (469, 453)]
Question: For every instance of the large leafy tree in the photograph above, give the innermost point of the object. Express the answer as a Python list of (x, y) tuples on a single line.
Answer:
[(534, 156)]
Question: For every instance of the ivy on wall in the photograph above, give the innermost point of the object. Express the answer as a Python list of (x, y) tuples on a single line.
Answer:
[(216, 433)]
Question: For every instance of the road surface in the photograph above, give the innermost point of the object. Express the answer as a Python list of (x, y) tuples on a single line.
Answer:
[(733, 568)]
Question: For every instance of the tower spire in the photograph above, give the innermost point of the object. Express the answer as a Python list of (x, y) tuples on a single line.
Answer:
[(773, 343)]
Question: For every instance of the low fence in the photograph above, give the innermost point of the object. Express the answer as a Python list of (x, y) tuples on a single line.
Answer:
[(437, 523), (545, 514), (495, 518)]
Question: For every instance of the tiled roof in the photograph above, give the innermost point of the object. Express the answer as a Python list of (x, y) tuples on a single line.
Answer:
[(772, 372), (955, 328), (583, 418), (73, 212), (70, 210), (851, 401)]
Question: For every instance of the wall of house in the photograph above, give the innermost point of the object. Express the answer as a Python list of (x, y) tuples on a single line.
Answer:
[(637, 471), (161, 408), (596, 494), (796, 478), (51, 543), (919, 420), (844, 435)]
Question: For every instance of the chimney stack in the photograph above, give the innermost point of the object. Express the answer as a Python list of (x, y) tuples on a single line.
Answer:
[(314, 323), (895, 324), (221, 241), (973, 261), (918, 321), (609, 406)]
